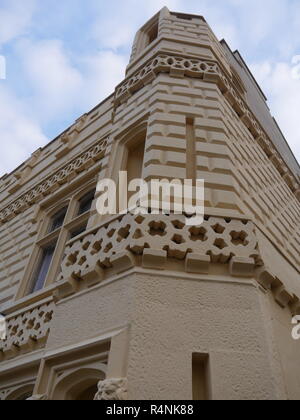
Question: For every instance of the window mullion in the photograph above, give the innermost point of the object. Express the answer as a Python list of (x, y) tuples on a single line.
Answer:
[(72, 211), (57, 257)]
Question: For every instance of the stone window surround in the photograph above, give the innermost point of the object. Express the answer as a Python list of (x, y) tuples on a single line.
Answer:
[(19, 380), (42, 217), (123, 141), (17, 393), (102, 358), (144, 35)]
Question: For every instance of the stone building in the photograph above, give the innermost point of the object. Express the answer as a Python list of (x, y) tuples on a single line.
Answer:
[(148, 307)]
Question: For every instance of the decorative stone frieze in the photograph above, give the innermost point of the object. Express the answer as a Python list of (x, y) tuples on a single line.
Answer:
[(19, 177), (156, 238), (27, 330), (112, 390), (54, 181), (178, 66), (208, 71)]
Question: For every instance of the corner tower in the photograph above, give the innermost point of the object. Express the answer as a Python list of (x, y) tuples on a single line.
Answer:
[(149, 307)]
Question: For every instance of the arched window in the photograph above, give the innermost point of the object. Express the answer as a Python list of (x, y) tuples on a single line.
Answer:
[(80, 385), (21, 394)]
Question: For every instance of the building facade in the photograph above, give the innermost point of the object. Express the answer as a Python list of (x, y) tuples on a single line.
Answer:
[(146, 306)]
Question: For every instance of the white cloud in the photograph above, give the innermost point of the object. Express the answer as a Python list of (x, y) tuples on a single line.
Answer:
[(61, 83), (60, 87), (283, 89), (20, 134), (55, 82), (117, 28), (15, 18), (154, 6)]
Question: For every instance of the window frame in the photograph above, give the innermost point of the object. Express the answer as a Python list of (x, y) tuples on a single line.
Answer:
[(127, 140), (145, 37), (45, 237)]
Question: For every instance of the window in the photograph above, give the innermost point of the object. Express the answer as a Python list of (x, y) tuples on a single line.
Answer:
[(148, 34), (153, 33), (21, 394), (58, 220), (133, 162), (85, 203), (64, 224), (46, 258)]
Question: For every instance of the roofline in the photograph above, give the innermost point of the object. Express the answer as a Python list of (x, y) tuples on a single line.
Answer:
[(223, 41), (5, 176)]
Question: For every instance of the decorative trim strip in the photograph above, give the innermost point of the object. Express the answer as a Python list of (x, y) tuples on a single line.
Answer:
[(55, 181), (27, 331), (211, 72)]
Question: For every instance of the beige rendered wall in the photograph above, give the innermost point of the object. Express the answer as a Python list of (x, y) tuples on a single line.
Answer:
[(134, 300), (172, 316)]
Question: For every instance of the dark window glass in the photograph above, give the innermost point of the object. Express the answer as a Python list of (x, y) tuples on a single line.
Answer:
[(58, 220), (85, 203), (43, 268), (78, 231), (153, 33)]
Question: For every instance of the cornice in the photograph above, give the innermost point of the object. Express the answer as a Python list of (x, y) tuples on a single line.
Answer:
[(54, 181)]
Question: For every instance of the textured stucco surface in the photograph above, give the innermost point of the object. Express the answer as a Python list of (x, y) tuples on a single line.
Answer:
[(92, 314), (176, 317), (171, 318)]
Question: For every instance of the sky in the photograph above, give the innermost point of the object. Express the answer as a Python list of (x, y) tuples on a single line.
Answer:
[(64, 57)]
